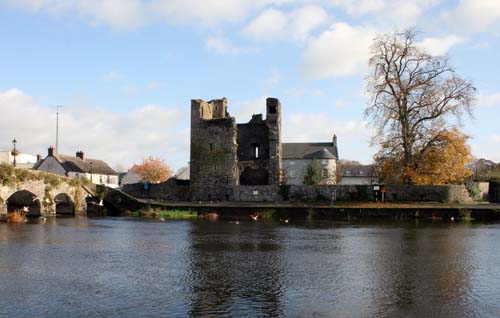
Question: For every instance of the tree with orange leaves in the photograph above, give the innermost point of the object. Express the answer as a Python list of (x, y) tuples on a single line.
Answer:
[(442, 161), (415, 98), (153, 170)]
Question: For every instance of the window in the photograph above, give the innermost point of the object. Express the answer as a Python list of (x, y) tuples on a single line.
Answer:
[(324, 162), (291, 173), (211, 147), (347, 172), (292, 163), (256, 150), (215, 167), (272, 109)]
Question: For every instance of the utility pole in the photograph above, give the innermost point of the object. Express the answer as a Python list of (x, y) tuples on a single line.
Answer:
[(57, 128)]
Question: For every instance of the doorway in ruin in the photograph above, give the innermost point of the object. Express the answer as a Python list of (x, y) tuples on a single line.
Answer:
[(24, 200), (251, 176), (64, 205)]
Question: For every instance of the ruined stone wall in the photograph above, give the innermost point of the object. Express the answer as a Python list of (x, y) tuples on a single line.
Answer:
[(213, 166), (165, 191), (273, 120), (259, 193), (323, 193), (427, 193), (395, 193)]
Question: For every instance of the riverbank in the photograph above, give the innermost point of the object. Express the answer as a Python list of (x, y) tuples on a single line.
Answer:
[(480, 211)]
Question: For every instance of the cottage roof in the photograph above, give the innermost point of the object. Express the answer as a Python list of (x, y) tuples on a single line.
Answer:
[(309, 150), (356, 171), (75, 164), (183, 174)]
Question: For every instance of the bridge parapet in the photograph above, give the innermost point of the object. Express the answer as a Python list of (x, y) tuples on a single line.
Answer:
[(44, 198)]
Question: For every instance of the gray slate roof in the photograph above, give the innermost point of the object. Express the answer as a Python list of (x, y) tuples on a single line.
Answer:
[(75, 164), (356, 171), (309, 150)]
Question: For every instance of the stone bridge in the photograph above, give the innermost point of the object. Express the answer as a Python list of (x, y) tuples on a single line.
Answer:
[(42, 199)]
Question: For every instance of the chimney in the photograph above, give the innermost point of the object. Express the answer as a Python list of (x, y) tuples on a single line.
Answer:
[(38, 157), (80, 154), (334, 140), (51, 152)]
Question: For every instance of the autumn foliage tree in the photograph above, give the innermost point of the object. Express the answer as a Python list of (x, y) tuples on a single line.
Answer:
[(414, 97), (153, 170), (445, 162)]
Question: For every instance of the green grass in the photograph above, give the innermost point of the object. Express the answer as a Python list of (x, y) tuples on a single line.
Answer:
[(173, 214), (177, 214)]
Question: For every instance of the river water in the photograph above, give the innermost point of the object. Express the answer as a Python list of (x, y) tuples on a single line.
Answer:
[(119, 267)]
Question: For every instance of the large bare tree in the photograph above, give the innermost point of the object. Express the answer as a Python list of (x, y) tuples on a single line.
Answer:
[(413, 97)]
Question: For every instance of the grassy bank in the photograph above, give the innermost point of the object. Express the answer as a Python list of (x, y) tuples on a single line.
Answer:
[(170, 214)]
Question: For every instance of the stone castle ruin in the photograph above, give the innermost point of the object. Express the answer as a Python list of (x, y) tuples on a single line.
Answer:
[(226, 155)]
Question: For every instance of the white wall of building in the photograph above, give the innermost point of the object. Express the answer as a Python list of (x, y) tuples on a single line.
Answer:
[(295, 169)]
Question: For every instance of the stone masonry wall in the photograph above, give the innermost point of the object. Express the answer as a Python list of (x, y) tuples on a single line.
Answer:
[(45, 194), (258, 193), (214, 170), (166, 191)]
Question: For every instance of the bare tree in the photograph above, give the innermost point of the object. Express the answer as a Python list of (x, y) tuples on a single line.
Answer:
[(413, 96)]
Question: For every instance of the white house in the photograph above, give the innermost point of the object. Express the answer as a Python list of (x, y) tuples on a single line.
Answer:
[(97, 171), (357, 174), (23, 160), (297, 156)]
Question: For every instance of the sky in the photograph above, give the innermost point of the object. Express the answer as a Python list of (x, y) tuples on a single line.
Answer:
[(125, 70)]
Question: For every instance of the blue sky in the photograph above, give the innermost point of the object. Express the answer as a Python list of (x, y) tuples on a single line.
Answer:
[(125, 70)]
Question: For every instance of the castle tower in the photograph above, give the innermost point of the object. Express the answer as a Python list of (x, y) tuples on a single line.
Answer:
[(213, 164), (273, 119)]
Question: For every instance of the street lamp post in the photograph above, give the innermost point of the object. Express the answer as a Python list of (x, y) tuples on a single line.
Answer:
[(14, 152)]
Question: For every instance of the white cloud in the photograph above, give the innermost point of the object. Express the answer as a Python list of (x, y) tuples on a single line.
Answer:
[(489, 100), (475, 16), (131, 14), (244, 110), (399, 13), (440, 45), (342, 50), (221, 45), (295, 25), (207, 13), (118, 14), (353, 135), (117, 138), (269, 25), (297, 127)]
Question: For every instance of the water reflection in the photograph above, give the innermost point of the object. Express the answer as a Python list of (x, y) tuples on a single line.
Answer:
[(236, 269), (79, 267)]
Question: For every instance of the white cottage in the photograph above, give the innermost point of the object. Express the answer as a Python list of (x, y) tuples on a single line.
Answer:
[(97, 171), (297, 156)]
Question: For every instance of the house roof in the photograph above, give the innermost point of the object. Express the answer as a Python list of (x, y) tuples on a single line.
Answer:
[(356, 171), (184, 174), (75, 164), (309, 150)]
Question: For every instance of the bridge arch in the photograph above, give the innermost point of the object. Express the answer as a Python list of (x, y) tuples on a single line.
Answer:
[(3, 208), (24, 200), (64, 204)]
